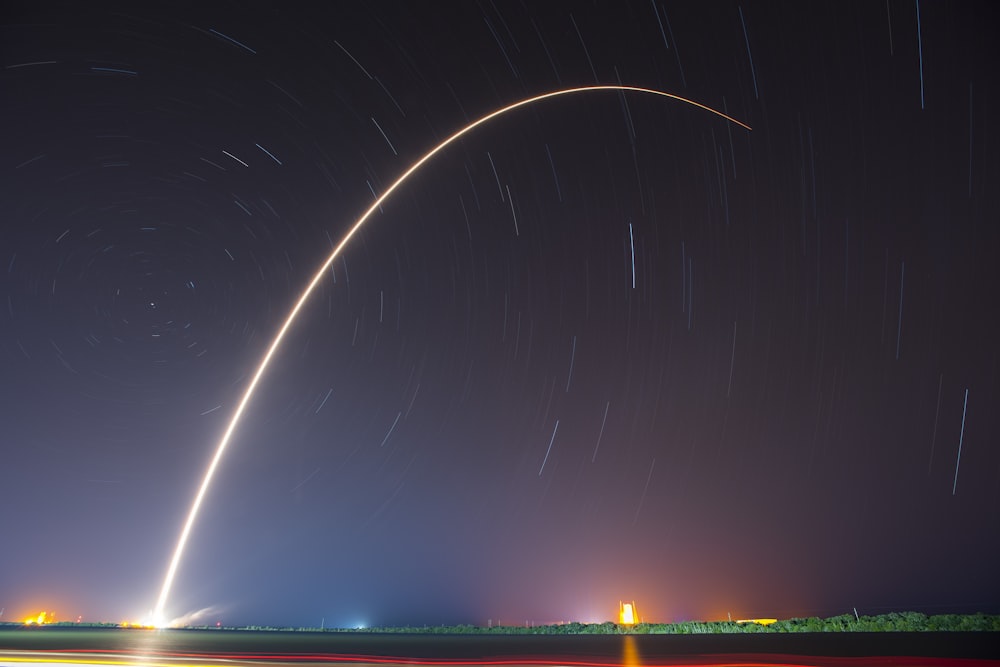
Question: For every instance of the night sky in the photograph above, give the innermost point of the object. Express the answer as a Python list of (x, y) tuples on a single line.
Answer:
[(609, 346)]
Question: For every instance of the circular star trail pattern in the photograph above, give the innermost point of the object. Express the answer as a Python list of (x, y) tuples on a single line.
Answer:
[(607, 347)]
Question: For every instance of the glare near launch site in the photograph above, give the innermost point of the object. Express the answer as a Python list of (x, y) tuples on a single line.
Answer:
[(354, 315)]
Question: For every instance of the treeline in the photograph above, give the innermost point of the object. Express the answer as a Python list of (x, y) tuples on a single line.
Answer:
[(894, 622)]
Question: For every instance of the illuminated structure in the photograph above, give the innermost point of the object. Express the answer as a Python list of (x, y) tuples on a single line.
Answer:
[(42, 618), (627, 613), (758, 621)]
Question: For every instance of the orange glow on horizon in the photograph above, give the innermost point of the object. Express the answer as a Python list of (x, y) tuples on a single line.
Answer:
[(42, 618)]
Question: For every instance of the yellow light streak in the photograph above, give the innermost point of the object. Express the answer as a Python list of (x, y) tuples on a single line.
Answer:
[(630, 652), (307, 292), (53, 659)]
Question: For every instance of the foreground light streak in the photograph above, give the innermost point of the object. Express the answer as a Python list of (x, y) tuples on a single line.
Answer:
[(630, 658), (307, 292)]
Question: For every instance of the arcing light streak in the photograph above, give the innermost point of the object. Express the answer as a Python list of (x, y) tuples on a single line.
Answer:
[(276, 343)]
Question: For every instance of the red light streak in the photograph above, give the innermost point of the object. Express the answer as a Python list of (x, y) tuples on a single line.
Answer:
[(175, 659)]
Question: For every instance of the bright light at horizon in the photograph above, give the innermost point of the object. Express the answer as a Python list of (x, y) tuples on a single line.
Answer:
[(626, 613), (42, 618)]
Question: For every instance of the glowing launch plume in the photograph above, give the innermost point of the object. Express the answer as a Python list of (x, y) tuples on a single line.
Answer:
[(221, 448)]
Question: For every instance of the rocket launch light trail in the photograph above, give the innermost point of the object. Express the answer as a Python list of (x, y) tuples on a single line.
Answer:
[(307, 292)]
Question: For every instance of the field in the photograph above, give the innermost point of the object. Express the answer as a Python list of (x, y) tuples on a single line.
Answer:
[(109, 646)]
